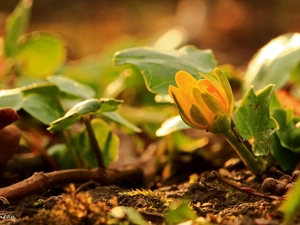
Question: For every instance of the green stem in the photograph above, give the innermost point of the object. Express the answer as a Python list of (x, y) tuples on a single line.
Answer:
[(94, 142), (255, 165), (76, 158)]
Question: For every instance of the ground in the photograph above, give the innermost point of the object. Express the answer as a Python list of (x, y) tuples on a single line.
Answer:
[(221, 197)]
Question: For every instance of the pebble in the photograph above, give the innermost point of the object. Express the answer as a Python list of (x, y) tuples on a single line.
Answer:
[(295, 174), (207, 204), (269, 185)]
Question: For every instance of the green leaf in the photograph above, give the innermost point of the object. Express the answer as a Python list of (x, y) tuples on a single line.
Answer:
[(285, 157), (252, 119), (72, 87), (120, 212), (289, 133), (109, 105), (16, 24), (62, 156), (40, 55), (274, 63), (114, 116), (291, 204), (173, 124), (182, 212), (81, 109), (159, 67), (14, 97), (11, 98), (43, 108), (107, 140)]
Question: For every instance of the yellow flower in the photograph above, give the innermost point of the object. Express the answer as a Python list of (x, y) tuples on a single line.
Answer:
[(204, 104)]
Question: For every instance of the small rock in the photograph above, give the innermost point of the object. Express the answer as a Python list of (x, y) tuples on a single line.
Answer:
[(269, 185), (289, 186), (295, 174), (207, 204), (285, 179), (280, 189)]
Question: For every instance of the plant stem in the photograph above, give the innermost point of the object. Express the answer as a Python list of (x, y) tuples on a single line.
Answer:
[(77, 160), (255, 165), (94, 142)]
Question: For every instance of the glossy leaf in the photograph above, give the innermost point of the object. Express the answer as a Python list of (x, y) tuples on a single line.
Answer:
[(253, 122), (41, 54), (171, 125), (16, 24), (43, 108), (81, 109), (274, 63), (43, 88), (114, 116), (11, 98), (159, 67), (69, 86)]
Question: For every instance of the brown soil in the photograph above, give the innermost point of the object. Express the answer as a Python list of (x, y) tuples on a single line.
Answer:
[(242, 202)]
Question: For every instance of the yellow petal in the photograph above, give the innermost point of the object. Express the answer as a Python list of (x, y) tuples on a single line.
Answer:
[(180, 100), (185, 81), (213, 103), (198, 117), (196, 92), (227, 88), (214, 86)]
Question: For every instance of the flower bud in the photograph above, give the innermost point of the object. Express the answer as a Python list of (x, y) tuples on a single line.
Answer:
[(204, 104)]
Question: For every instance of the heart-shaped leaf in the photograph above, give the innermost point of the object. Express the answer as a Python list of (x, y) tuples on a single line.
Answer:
[(253, 122), (159, 67)]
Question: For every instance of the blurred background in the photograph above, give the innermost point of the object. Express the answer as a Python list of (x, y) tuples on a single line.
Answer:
[(233, 29), (93, 30)]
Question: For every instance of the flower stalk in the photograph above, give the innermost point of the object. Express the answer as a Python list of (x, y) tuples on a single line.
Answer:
[(255, 165)]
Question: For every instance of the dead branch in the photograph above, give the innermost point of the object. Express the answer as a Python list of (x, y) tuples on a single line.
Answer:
[(40, 181)]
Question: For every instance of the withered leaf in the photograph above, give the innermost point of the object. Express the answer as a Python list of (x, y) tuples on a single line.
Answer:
[(9, 144), (7, 116)]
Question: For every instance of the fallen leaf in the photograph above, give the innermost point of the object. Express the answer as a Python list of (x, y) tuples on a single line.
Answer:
[(7, 116), (9, 144)]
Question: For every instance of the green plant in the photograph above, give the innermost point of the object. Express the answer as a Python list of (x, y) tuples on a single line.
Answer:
[(262, 131), (253, 120), (32, 82)]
